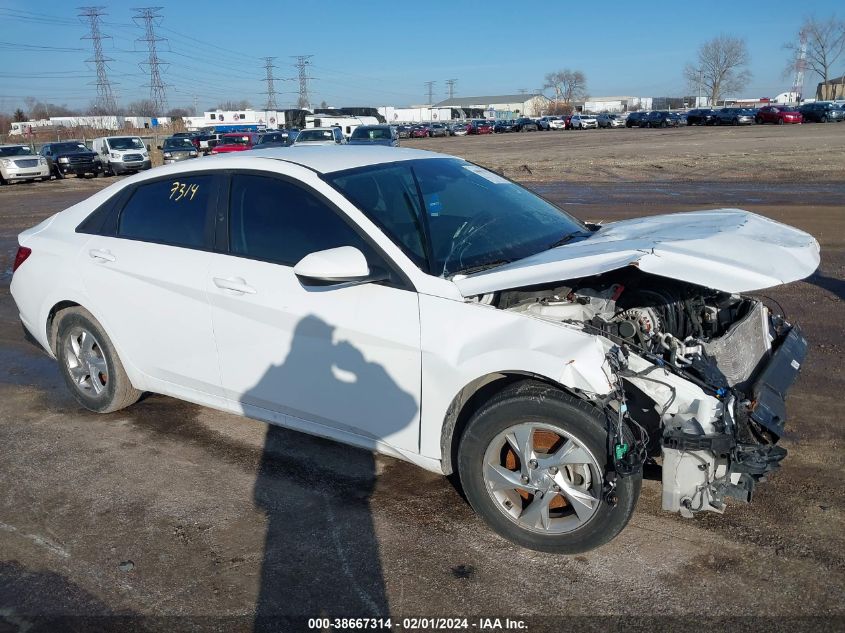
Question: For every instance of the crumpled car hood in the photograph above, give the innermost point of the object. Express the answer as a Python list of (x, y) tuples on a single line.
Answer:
[(726, 249)]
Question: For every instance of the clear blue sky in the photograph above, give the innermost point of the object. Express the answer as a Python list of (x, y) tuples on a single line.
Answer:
[(381, 53)]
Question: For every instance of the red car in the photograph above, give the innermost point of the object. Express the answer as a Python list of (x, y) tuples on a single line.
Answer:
[(235, 142), (778, 115), (480, 127), (420, 131)]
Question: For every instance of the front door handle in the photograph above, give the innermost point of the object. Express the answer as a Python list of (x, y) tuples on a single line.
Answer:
[(235, 284), (101, 255)]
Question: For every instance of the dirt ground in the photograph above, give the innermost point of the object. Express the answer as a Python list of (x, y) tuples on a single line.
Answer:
[(792, 153), (169, 516)]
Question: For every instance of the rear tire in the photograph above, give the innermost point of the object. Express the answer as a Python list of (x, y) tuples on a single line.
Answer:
[(90, 365), (543, 421)]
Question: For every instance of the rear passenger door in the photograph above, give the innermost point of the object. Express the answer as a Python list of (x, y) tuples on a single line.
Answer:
[(145, 267)]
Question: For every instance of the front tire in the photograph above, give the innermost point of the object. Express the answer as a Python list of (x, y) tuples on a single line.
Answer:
[(532, 464), (90, 365)]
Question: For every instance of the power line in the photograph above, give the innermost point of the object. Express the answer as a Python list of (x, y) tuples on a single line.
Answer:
[(450, 85), (302, 63), (105, 97), (430, 86), (271, 90), (150, 16)]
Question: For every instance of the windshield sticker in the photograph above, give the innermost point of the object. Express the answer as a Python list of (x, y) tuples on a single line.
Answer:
[(183, 190), (487, 175)]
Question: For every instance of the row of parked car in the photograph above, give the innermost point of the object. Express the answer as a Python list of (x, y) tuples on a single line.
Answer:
[(113, 155)]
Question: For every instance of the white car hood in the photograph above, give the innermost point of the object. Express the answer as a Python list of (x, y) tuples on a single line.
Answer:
[(726, 249)]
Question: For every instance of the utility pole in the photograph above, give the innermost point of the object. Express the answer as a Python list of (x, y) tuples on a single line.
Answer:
[(150, 17), (430, 87), (450, 85), (105, 97), (271, 90), (196, 103), (302, 63)]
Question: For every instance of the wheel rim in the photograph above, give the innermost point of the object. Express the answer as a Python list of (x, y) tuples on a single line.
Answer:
[(85, 362), (542, 478)]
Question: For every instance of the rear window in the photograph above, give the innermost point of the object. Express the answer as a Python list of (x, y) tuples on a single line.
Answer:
[(168, 211)]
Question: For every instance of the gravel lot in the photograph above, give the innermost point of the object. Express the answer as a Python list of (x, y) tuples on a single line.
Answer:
[(199, 520)]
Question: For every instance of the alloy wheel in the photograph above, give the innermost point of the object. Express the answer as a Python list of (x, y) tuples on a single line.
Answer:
[(542, 478)]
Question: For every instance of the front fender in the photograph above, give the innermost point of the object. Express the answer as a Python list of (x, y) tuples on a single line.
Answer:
[(464, 342)]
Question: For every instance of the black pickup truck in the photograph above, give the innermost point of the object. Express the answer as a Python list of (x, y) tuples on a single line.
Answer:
[(71, 157)]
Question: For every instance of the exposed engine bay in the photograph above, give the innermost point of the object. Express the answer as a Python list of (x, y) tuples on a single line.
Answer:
[(700, 378)]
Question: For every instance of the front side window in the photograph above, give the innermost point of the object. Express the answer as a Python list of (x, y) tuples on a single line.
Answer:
[(277, 221), (469, 218), (169, 211)]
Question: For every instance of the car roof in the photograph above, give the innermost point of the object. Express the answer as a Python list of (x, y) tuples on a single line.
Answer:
[(328, 159)]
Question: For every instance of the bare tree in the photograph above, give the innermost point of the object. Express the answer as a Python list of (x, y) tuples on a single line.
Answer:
[(144, 107), (179, 113), (825, 41), (721, 68), (39, 110), (568, 85), (229, 105)]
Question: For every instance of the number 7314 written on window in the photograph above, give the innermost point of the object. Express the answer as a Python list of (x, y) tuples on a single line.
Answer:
[(183, 191)]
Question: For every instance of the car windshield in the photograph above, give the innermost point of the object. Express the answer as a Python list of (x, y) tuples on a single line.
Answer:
[(69, 147), (315, 135), (18, 150), (235, 140), (126, 142), (371, 133), (450, 216), (178, 143)]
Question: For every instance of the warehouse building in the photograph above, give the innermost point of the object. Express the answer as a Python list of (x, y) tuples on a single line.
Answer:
[(831, 90), (498, 106)]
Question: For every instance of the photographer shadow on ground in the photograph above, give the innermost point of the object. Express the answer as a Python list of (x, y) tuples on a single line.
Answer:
[(321, 554)]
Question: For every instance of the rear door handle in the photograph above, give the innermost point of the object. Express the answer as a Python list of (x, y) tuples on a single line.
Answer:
[(103, 256), (235, 284)]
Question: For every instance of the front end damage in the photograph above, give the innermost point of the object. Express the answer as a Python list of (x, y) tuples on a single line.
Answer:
[(700, 378)]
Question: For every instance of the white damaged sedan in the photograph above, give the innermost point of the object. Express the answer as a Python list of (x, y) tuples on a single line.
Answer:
[(420, 306)]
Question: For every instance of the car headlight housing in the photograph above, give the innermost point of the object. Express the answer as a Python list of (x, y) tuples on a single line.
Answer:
[(192, 153), (114, 154), (63, 159), (5, 162), (42, 160), (168, 155)]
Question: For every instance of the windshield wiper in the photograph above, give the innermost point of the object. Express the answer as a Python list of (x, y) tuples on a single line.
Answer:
[(480, 267), (568, 238)]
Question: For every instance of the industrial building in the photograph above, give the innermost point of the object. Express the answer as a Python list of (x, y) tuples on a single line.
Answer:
[(499, 106), (831, 89)]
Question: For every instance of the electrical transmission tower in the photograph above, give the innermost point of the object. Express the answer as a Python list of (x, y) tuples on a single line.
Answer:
[(450, 86), (430, 86), (151, 17), (271, 90), (302, 63), (105, 97)]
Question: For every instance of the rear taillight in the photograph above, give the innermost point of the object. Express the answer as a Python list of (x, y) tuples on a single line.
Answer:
[(20, 257)]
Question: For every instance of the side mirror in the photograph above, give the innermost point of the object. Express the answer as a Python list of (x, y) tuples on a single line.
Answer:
[(148, 147), (333, 266), (158, 146)]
